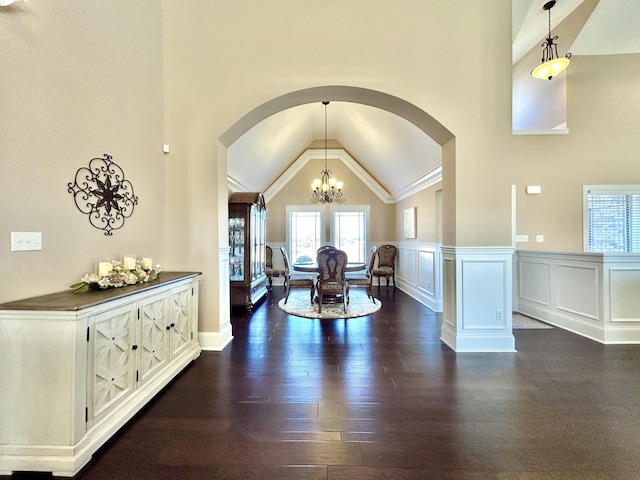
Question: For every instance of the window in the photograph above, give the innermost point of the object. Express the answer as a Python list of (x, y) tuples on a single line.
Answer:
[(308, 229), (304, 227), (612, 218), (349, 231)]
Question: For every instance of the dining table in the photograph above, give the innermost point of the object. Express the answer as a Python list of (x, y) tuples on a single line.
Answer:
[(313, 267)]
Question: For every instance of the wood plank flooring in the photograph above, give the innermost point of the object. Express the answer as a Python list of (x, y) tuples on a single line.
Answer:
[(383, 398)]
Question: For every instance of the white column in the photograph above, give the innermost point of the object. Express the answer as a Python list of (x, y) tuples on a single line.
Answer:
[(477, 299)]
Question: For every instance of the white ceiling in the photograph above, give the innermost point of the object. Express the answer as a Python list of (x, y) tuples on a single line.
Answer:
[(381, 142), (392, 150)]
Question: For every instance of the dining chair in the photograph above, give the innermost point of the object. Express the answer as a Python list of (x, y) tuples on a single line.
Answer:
[(269, 270), (295, 282), (386, 264), (365, 279), (332, 280)]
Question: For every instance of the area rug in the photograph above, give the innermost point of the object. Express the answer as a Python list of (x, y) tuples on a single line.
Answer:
[(527, 323), (359, 306)]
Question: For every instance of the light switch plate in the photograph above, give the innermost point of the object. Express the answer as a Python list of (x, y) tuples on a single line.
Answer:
[(539, 238), (25, 241), (522, 238)]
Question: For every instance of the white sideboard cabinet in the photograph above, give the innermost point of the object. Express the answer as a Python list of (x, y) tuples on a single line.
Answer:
[(76, 367)]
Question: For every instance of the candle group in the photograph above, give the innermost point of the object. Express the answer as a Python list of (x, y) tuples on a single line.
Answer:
[(105, 267)]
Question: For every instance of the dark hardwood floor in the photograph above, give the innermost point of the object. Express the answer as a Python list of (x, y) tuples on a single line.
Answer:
[(382, 398)]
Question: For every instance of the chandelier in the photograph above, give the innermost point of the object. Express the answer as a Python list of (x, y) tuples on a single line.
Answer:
[(326, 189), (551, 64)]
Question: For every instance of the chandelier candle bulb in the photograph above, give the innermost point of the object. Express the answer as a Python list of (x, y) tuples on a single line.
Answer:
[(129, 262), (104, 269)]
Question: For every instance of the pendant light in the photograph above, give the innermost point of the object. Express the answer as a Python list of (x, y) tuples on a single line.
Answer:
[(326, 189), (551, 64)]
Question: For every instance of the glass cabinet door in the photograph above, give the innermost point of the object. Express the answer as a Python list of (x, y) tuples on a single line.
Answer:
[(236, 244)]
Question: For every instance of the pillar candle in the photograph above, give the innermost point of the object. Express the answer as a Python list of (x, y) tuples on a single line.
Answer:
[(104, 268), (147, 263), (129, 263)]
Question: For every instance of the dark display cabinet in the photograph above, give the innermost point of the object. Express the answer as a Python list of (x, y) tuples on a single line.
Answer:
[(247, 242)]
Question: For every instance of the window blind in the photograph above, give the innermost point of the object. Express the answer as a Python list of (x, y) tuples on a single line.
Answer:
[(613, 222)]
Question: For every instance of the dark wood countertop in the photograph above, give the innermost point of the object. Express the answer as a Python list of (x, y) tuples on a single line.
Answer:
[(69, 301)]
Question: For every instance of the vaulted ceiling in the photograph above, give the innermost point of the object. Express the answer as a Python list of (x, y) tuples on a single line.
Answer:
[(393, 151)]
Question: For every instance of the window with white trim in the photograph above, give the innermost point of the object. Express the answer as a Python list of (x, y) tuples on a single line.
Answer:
[(308, 228), (611, 218), (349, 230), (305, 232)]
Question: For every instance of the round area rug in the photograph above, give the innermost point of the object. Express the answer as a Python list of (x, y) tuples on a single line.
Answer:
[(359, 306)]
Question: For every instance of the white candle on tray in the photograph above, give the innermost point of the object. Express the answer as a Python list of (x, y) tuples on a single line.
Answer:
[(104, 268), (147, 263), (129, 262)]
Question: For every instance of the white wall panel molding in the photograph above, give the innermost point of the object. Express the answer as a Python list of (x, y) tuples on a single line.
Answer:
[(419, 272), (535, 281), (590, 294), (624, 301), (578, 289), (477, 314)]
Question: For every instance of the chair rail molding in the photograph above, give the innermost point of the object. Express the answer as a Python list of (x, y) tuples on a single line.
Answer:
[(477, 284)]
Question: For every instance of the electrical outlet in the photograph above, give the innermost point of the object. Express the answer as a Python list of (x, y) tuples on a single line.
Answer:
[(499, 314), (539, 238), (522, 238), (24, 241)]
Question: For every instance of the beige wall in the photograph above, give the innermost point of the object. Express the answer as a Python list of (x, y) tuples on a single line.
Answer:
[(428, 215), (601, 148), (85, 77), (298, 192), (79, 79)]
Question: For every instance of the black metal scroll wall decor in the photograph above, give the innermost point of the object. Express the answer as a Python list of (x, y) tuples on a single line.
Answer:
[(101, 192)]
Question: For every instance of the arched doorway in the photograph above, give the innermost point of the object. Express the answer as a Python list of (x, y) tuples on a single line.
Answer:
[(397, 106)]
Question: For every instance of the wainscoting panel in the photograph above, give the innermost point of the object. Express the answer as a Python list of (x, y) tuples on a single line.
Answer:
[(408, 261), (483, 302), (578, 289), (449, 275), (427, 271), (535, 281), (591, 294), (477, 283), (624, 285), (419, 273)]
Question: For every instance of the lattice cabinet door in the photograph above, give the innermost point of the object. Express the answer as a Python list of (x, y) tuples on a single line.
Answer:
[(182, 330), (112, 358), (155, 320)]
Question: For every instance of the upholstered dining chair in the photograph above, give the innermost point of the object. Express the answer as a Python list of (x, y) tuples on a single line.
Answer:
[(295, 282), (386, 264), (332, 281), (365, 279), (270, 271)]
